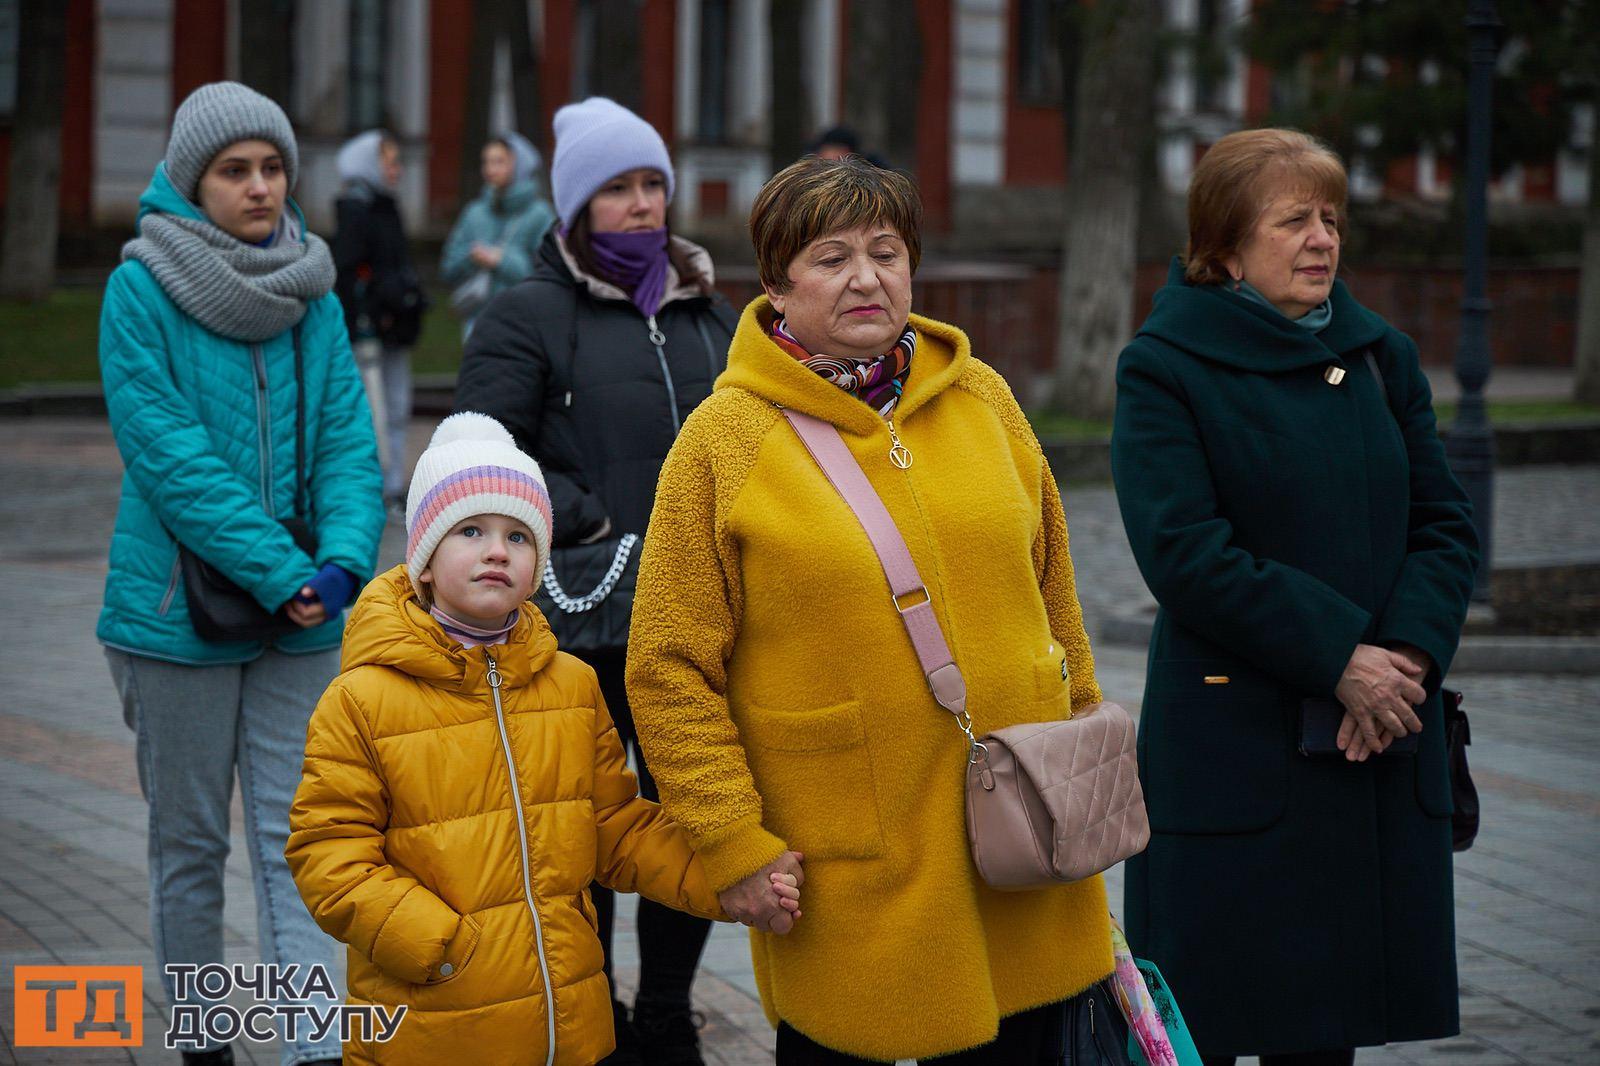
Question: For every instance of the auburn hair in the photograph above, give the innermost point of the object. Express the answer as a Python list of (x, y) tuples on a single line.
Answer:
[(1235, 181)]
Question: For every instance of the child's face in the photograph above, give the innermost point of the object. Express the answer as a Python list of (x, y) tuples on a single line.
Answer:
[(482, 570)]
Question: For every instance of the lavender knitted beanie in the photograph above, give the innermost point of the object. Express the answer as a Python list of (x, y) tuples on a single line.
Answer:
[(595, 141)]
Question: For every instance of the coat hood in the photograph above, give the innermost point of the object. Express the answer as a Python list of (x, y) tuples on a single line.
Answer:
[(525, 156), (389, 627), (756, 364), (360, 159), (1215, 324), (159, 197)]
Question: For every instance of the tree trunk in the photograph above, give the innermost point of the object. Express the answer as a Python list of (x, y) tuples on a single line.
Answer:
[(883, 79), (266, 47), (486, 24), (524, 71), (28, 258), (1586, 380), (1111, 126), (788, 116), (614, 63)]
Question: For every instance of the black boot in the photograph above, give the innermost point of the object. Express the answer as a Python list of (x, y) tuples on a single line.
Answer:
[(217, 1056), (627, 1052), (668, 1034)]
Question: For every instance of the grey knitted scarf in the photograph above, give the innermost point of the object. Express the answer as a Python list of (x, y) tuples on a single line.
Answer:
[(230, 287)]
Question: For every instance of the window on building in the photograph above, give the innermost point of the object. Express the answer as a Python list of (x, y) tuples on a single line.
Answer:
[(8, 58), (1039, 53), (716, 41), (368, 32)]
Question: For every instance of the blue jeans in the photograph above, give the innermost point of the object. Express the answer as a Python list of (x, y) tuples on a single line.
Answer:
[(194, 725)]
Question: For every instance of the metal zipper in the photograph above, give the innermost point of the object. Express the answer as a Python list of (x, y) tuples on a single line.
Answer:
[(522, 840), (263, 429), (172, 585), (658, 339)]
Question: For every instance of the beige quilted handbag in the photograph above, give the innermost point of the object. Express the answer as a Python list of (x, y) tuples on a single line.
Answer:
[(1046, 801), (1055, 801)]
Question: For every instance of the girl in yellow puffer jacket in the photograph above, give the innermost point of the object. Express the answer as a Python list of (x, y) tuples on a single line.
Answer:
[(464, 785)]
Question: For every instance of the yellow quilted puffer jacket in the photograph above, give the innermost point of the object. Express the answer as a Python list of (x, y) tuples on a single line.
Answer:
[(455, 805)]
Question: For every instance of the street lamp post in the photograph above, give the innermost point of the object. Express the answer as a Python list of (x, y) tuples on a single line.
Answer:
[(1471, 442)]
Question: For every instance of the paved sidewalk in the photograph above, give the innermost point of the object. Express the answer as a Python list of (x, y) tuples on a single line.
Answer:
[(72, 842)]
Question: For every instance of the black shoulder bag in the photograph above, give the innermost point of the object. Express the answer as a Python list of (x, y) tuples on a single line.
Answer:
[(1457, 734), (220, 610)]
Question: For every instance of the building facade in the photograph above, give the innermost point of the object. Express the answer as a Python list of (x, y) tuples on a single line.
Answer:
[(986, 130)]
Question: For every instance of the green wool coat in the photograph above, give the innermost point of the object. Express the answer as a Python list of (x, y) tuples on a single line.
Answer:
[(1293, 904)]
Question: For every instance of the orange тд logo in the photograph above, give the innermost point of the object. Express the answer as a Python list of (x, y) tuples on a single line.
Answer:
[(79, 1006)]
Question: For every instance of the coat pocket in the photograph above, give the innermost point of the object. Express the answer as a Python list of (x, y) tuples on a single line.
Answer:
[(1214, 749), (458, 953), (814, 772)]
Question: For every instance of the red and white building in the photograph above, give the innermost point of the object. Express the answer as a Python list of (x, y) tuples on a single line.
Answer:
[(990, 148)]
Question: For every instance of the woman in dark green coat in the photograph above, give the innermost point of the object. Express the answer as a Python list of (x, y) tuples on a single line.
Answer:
[(1289, 505)]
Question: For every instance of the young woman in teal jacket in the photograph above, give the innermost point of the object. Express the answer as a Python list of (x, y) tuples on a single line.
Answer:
[(198, 338), (498, 234)]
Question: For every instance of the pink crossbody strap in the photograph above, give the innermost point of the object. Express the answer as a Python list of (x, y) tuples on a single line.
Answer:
[(822, 440)]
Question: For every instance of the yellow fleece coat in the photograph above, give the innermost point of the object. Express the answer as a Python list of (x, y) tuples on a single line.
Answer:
[(781, 705), (406, 844)]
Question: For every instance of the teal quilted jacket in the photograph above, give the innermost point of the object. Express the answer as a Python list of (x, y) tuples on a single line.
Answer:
[(206, 428)]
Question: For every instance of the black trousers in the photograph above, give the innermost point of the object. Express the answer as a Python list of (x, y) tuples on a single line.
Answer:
[(1345, 1057), (1032, 1038), (670, 941)]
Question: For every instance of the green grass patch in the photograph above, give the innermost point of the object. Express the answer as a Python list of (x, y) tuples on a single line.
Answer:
[(1524, 411), (57, 340), (53, 340), (1056, 425)]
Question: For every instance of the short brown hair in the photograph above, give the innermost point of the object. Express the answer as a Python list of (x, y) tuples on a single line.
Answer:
[(815, 197), (1237, 178)]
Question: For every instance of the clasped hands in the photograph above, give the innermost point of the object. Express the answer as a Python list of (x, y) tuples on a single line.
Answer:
[(1379, 689), (768, 899)]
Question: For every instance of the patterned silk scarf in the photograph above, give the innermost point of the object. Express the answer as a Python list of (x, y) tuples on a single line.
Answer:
[(877, 382)]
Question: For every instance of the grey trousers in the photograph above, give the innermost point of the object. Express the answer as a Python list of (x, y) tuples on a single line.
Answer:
[(195, 726)]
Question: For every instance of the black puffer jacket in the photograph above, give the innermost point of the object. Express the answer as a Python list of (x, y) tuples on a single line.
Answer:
[(567, 364), (377, 284)]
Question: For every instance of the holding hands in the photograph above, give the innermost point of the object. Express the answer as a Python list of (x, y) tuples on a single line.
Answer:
[(769, 898), (1379, 689)]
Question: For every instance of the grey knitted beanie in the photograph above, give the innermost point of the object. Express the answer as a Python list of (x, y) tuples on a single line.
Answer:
[(595, 141), (215, 116)]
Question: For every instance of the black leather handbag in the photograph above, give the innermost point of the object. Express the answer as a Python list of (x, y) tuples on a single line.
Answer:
[(219, 609), (1094, 1032), (1463, 793), (587, 593)]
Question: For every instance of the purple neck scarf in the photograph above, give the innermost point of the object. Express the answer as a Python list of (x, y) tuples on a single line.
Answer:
[(636, 263)]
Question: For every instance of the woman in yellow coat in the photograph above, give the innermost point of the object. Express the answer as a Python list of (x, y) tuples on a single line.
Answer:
[(464, 785), (780, 703)]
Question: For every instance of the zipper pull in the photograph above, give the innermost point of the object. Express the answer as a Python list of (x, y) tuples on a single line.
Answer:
[(657, 338), (899, 454), (494, 672), (1091, 1016)]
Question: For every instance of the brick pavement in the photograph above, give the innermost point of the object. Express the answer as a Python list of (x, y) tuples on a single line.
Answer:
[(72, 867)]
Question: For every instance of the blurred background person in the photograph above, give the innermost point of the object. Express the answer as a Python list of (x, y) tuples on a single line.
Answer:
[(494, 242), (382, 297)]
